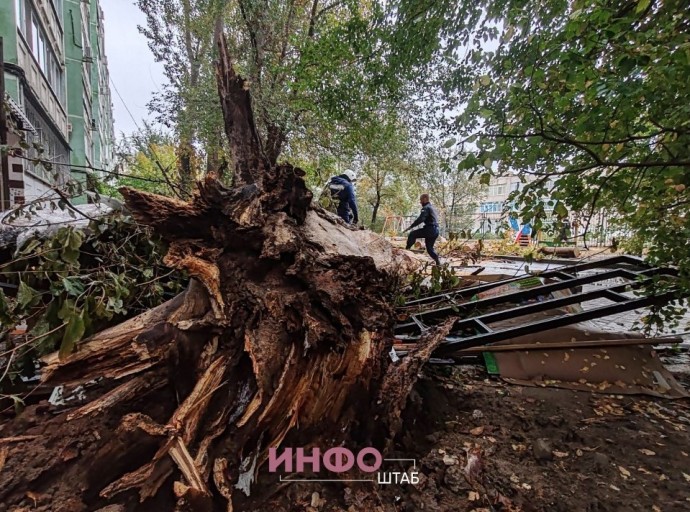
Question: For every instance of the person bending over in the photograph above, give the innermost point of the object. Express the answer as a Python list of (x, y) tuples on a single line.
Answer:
[(341, 189)]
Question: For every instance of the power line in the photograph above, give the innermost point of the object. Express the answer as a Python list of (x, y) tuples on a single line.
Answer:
[(91, 168), (176, 190), (123, 102)]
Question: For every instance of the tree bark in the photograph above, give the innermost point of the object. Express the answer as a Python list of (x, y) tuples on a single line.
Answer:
[(275, 139), (185, 163), (375, 211), (282, 339), (240, 128)]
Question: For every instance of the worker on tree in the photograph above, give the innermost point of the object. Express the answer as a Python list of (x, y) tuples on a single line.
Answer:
[(429, 232), (341, 189)]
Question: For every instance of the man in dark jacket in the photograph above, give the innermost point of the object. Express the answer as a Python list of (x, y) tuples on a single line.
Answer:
[(341, 189), (429, 232)]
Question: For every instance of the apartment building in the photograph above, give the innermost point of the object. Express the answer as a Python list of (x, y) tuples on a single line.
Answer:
[(102, 102), (490, 214), (88, 88), (56, 84)]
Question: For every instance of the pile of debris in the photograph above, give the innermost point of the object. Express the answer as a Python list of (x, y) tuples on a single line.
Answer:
[(535, 330), (281, 339), (64, 276)]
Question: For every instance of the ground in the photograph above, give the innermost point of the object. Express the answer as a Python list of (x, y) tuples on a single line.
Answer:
[(534, 449), (540, 449)]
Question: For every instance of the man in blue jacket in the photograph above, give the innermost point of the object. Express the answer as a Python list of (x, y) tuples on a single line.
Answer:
[(429, 232), (341, 189)]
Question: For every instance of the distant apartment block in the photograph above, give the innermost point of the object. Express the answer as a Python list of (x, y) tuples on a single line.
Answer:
[(88, 87), (494, 208), (490, 211), (57, 87)]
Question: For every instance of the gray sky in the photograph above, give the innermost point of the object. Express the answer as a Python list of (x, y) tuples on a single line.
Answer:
[(132, 68)]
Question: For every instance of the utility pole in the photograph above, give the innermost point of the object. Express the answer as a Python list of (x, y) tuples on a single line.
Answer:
[(4, 160)]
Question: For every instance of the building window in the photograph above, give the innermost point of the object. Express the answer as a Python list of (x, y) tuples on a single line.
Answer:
[(491, 207), (34, 36), (496, 190), (42, 51), (54, 149), (56, 77), (57, 5), (18, 13), (88, 137)]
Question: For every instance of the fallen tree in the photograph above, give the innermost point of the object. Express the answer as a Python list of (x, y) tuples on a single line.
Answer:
[(281, 339), (99, 273)]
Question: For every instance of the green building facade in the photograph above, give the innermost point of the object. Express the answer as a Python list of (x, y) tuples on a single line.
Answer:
[(57, 82)]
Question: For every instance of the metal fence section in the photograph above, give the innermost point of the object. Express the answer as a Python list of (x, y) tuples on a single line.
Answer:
[(476, 308)]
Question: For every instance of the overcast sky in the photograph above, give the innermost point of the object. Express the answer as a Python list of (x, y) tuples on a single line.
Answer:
[(133, 71)]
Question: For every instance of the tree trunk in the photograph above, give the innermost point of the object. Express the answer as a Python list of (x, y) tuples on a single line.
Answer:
[(282, 339), (275, 139), (240, 128), (375, 211), (563, 252), (185, 164)]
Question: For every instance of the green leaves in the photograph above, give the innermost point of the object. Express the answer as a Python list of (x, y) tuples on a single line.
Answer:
[(589, 101), (115, 305), (26, 296), (71, 242), (560, 210), (75, 283), (642, 6), (29, 247), (73, 286), (149, 151), (73, 332)]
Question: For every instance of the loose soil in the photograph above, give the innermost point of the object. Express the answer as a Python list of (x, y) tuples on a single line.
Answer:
[(538, 449)]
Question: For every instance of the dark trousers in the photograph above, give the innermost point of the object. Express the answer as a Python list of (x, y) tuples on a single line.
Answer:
[(429, 234), (344, 212)]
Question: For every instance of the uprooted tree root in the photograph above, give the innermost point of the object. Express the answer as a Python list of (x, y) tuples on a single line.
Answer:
[(281, 339)]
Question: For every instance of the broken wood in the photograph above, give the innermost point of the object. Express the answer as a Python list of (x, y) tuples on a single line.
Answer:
[(16, 439), (3, 456), (564, 252), (281, 339)]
